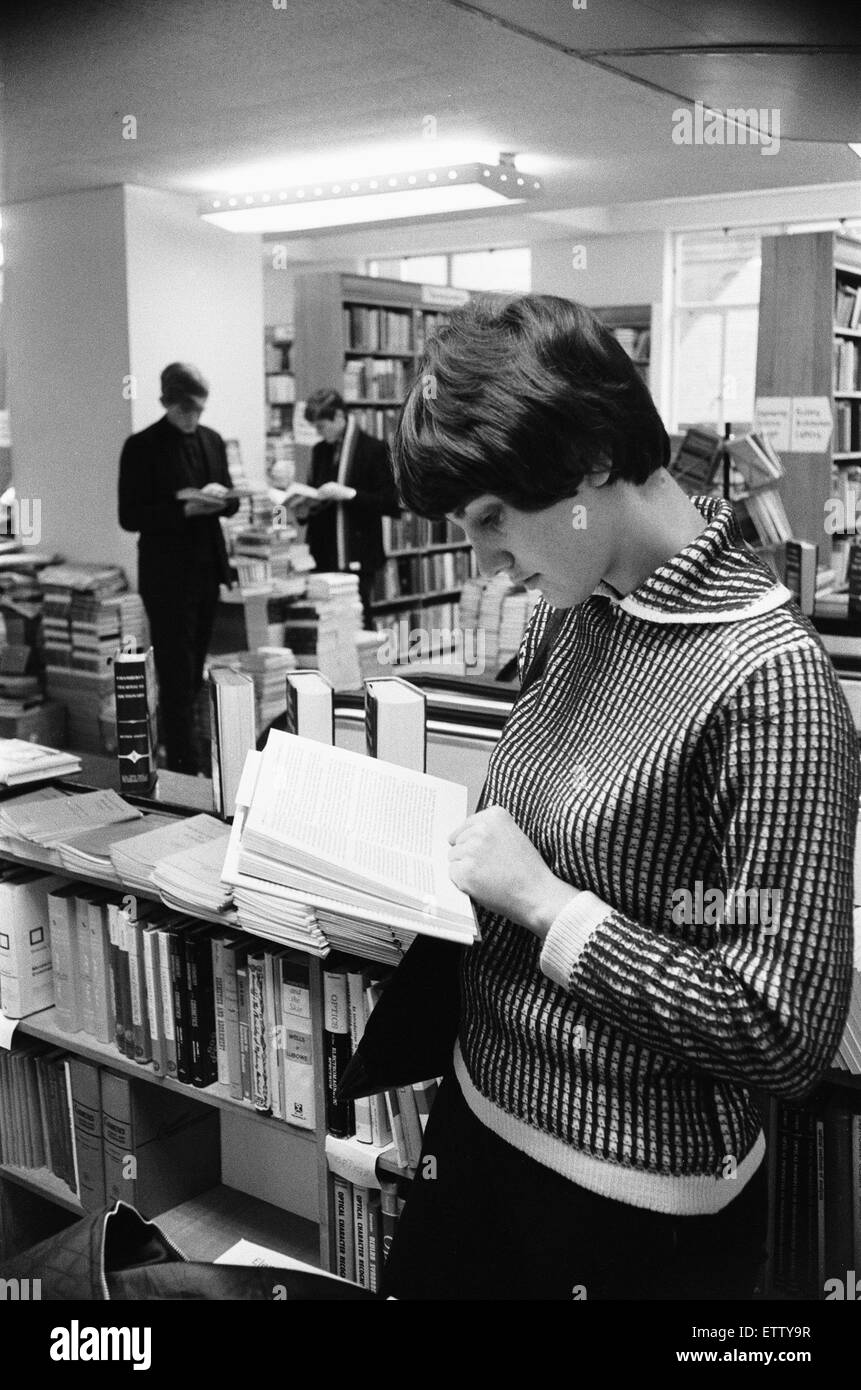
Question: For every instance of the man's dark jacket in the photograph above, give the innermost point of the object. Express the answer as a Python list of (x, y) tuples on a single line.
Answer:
[(151, 473), (376, 496)]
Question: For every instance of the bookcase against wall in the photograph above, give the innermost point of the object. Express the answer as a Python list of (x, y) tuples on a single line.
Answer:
[(803, 351), (364, 337), (631, 324)]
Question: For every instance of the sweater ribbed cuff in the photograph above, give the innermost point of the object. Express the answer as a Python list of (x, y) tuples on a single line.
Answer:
[(568, 934)]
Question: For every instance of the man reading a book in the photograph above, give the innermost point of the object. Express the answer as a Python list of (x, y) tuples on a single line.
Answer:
[(355, 488), (174, 487)]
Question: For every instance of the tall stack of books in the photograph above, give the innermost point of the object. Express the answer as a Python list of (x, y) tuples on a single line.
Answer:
[(87, 616), (267, 667), (263, 554), (322, 631)]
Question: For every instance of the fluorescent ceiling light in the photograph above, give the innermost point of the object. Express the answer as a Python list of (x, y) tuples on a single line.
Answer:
[(856, 148), (381, 198)]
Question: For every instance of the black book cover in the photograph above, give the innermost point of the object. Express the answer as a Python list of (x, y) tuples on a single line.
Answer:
[(179, 978), (201, 1006), (135, 705)]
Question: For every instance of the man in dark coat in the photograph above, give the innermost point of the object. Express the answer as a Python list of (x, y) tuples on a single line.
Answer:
[(174, 485), (351, 470)]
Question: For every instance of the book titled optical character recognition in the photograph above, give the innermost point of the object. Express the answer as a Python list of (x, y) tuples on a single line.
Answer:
[(376, 831)]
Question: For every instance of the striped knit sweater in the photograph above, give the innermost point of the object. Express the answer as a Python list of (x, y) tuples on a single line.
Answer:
[(692, 733)]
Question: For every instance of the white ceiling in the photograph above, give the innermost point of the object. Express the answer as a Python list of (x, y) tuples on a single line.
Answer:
[(225, 90)]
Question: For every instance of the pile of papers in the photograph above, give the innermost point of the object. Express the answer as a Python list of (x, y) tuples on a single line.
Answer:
[(22, 762), (53, 820), (333, 849), (90, 852), (135, 860), (190, 881)]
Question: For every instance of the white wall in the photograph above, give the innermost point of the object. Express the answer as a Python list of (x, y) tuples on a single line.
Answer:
[(195, 293), (67, 341), (619, 269)]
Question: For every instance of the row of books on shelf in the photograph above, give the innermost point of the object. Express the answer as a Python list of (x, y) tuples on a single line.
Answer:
[(101, 1134), (365, 1221), (413, 634), (277, 351), (444, 569), (378, 421), (847, 304), (847, 364), (368, 329), (815, 1197), (427, 324), (847, 426), (411, 532), (376, 378)]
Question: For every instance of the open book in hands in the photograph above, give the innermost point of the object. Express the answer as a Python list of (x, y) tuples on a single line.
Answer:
[(212, 492)]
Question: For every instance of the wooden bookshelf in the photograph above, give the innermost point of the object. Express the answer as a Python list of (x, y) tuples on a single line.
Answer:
[(796, 351), (341, 319), (280, 1158)]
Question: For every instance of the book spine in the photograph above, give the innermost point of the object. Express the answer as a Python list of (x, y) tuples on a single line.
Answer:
[(179, 985), (244, 1030), (389, 1215), (66, 1078), (166, 992), (336, 1040), (218, 959), (34, 1114), (356, 984), (65, 972), (381, 1128), (141, 1049), (118, 1139), (231, 1025), (103, 1019), (87, 1110), (204, 1064), (134, 694), (838, 1187), (856, 1190), (397, 1128), (153, 999), (215, 751), (360, 1234), (410, 1121), (345, 1246), (44, 1113), (85, 967), (298, 1052), (272, 1018), (375, 1242), (257, 1022), (125, 943)]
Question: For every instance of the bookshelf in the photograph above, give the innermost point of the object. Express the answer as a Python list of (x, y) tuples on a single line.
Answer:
[(802, 280), (364, 336), (631, 325), (280, 381), (275, 1184)]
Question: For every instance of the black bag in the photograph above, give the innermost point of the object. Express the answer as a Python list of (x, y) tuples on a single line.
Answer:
[(411, 1033), (114, 1254)]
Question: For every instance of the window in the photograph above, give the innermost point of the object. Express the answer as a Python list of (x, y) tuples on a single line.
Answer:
[(507, 269), (715, 321)]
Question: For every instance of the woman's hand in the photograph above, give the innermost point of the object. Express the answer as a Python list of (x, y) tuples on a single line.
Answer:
[(499, 867)]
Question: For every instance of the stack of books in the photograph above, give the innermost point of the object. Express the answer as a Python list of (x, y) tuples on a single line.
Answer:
[(322, 631), (754, 472), (22, 762), (87, 617), (515, 613), (267, 667)]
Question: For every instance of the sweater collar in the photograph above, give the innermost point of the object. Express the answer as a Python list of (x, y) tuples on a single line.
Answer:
[(714, 579)]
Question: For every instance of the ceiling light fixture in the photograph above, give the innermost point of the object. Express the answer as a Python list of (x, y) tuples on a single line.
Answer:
[(420, 193)]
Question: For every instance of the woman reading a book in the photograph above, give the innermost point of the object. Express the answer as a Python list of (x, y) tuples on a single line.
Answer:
[(661, 861)]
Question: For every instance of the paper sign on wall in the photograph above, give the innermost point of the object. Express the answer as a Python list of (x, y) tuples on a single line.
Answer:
[(771, 420), (811, 425)]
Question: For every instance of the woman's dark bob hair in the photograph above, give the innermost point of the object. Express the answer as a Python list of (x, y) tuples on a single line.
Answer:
[(522, 400)]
